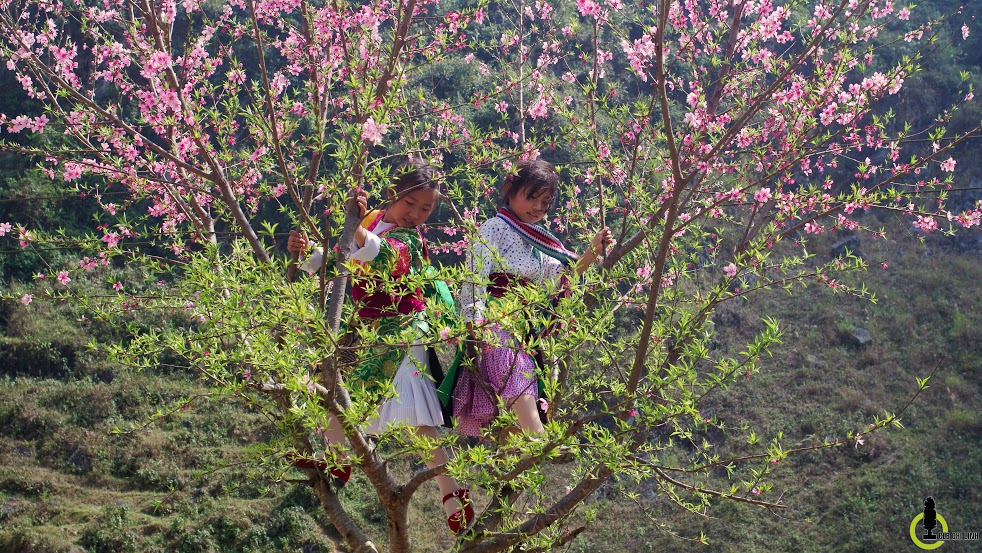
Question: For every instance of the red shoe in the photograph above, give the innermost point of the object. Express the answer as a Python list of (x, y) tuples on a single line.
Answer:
[(341, 473), (459, 521)]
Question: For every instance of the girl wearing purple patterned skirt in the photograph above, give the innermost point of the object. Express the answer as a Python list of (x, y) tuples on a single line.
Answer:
[(510, 252)]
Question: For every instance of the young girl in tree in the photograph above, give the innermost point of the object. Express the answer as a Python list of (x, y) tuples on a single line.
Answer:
[(510, 252), (390, 246)]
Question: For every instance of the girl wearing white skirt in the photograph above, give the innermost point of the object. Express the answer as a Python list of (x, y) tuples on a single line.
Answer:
[(389, 247)]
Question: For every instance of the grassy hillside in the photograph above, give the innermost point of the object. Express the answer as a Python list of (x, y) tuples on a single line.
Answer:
[(196, 481), (821, 384)]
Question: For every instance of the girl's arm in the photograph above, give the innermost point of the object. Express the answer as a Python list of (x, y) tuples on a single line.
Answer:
[(479, 262), (599, 243), (367, 245), (298, 243)]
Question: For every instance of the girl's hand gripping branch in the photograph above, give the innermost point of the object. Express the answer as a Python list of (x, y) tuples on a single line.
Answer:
[(359, 197), (297, 243), (601, 241)]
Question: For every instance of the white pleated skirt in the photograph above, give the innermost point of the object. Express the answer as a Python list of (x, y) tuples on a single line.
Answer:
[(416, 402)]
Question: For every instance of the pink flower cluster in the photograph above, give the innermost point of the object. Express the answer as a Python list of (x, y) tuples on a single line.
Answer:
[(373, 132), (588, 8)]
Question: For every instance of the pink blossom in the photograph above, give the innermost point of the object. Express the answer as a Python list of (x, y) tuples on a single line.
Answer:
[(926, 224), (755, 491), (762, 195), (544, 405), (18, 123), (117, 286), (5, 228), (730, 270), (540, 109), (603, 151), (25, 237), (964, 32), (63, 278), (884, 266), (236, 76), (859, 441), (111, 239), (26, 299), (948, 165), (157, 61), (170, 100), (373, 132), (72, 171), (587, 7), (37, 124)]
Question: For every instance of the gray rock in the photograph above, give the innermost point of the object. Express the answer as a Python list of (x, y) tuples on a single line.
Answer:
[(8, 508), (727, 318), (81, 460), (861, 337), (847, 244)]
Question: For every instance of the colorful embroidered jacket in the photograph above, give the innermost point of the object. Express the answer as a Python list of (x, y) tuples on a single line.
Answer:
[(398, 252), (389, 254)]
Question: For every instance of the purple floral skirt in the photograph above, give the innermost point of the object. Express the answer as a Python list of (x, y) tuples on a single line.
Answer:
[(506, 372)]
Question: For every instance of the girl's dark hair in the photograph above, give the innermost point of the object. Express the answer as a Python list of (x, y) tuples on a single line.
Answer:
[(533, 177), (414, 174)]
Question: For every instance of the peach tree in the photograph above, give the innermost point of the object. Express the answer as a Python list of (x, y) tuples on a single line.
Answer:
[(716, 138)]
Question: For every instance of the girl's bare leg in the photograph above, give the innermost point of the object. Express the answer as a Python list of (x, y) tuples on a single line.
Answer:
[(527, 411), (333, 433), (439, 456)]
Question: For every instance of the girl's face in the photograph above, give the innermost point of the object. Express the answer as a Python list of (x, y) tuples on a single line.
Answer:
[(531, 209), (412, 209)]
